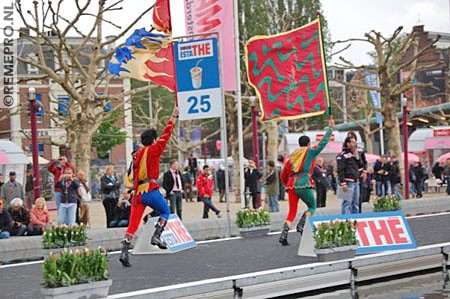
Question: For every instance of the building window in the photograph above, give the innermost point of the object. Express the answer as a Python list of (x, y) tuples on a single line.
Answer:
[(31, 69), (63, 105), (40, 148)]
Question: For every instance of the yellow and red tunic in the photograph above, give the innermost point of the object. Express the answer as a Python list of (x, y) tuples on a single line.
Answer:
[(297, 171), (147, 163)]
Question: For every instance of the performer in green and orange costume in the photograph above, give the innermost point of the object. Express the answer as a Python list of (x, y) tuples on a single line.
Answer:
[(297, 177)]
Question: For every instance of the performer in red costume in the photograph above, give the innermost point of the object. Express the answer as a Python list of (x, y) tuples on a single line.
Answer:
[(146, 188), (297, 177)]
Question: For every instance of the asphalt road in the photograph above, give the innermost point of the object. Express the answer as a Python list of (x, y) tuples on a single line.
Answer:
[(207, 260)]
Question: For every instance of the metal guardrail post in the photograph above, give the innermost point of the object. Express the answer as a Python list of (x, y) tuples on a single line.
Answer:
[(445, 275), (353, 280), (238, 292)]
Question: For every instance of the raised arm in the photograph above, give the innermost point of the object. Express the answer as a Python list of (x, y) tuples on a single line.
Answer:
[(323, 142)]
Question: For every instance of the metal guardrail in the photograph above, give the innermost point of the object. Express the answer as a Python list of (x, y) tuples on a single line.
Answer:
[(239, 282)]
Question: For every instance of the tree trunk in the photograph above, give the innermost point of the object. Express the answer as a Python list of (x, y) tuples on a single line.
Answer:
[(79, 138), (392, 127), (272, 140), (368, 139)]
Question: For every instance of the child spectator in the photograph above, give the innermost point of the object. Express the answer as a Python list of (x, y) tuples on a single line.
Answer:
[(39, 218), (5, 222), (20, 217), (85, 197)]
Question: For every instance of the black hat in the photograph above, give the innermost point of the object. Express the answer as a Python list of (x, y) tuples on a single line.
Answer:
[(12, 173)]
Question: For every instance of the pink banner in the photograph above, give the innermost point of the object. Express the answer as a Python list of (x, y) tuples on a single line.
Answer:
[(215, 16)]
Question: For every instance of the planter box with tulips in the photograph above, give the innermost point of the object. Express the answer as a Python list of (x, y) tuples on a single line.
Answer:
[(386, 204), (335, 240), (253, 223), (64, 236), (76, 274)]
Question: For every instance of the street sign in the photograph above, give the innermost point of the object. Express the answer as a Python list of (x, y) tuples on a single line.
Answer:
[(198, 79)]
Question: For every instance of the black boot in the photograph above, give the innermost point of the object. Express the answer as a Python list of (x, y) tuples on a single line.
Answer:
[(156, 238), (301, 224), (284, 234), (124, 257)]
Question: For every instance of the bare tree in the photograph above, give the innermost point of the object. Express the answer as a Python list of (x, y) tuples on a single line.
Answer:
[(80, 69), (391, 60)]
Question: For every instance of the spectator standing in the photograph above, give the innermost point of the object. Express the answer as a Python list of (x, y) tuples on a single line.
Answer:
[(426, 173), (366, 185), (252, 176), (39, 218), (11, 189), (221, 182), (110, 187), (20, 217), (187, 180), (418, 173), (331, 175), (205, 184), (173, 184), (348, 167), (394, 177), (122, 212), (1, 180), (272, 186), (361, 156), (438, 170), (320, 181), (85, 198), (412, 181), (447, 175), (29, 194), (69, 195), (280, 165), (193, 166), (380, 176), (5, 221), (58, 168)]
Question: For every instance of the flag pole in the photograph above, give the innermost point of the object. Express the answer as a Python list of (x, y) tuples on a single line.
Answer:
[(239, 104)]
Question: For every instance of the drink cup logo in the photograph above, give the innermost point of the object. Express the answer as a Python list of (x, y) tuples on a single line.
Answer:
[(196, 76)]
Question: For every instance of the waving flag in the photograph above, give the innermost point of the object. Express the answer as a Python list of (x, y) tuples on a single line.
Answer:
[(146, 56), (161, 16), (288, 72)]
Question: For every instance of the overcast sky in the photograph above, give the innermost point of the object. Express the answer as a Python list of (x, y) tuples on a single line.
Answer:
[(346, 18)]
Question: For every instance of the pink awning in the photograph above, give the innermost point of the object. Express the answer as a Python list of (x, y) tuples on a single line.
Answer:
[(3, 158), (437, 143)]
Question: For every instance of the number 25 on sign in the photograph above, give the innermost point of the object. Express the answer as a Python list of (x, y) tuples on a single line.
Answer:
[(196, 105)]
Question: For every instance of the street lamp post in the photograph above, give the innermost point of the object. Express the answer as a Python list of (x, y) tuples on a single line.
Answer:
[(405, 144), (255, 131), (205, 150), (34, 142)]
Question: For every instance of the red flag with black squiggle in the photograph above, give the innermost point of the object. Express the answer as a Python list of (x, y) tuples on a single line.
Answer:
[(288, 72)]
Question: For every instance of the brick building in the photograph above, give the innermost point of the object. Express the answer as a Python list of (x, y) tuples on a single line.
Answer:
[(53, 102)]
